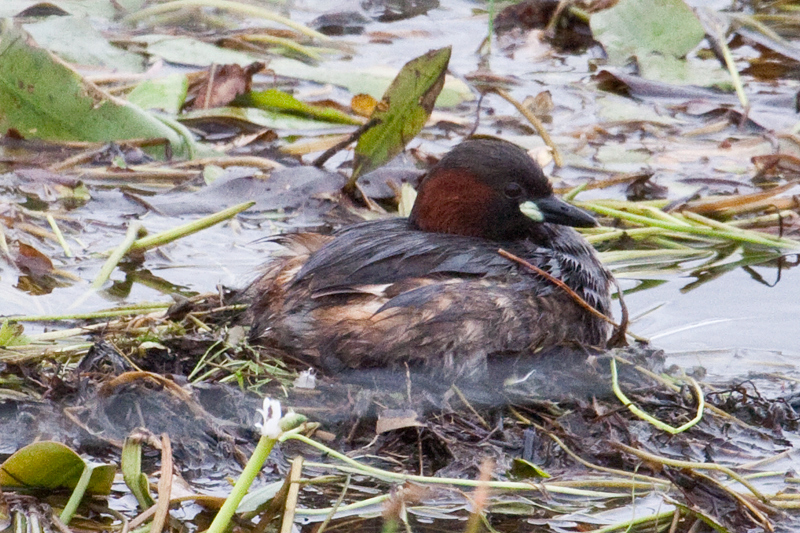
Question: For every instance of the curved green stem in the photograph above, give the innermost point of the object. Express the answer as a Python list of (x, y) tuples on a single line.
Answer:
[(701, 404), (260, 454)]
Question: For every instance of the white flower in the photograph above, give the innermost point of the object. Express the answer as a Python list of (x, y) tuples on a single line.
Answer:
[(271, 414)]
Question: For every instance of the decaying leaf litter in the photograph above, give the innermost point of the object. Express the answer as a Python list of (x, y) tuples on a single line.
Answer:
[(682, 153)]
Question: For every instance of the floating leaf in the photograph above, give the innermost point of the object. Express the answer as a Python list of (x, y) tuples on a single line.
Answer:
[(188, 51), (393, 419), (43, 97), (52, 465), (75, 40), (403, 111), (258, 117), (632, 27), (167, 93), (275, 100)]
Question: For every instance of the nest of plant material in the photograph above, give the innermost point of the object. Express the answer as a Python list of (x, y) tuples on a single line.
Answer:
[(545, 437)]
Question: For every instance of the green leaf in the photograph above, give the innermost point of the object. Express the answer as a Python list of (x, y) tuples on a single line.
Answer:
[(256, 498), (636, 27), (402, 112), (75, 40), (259, 117), (42, 97), (275, 100), (167, 93), (11, 335), (51, 465), (522, 469), (669, 69), (188, 51), (135, 479)]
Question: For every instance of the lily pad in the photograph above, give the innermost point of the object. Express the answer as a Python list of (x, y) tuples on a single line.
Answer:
[(52, 465), (669, 69), (634, 27)]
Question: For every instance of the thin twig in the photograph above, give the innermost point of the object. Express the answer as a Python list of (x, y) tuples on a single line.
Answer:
[(574, 295), (534, 120), (335, 507), (330, 152), (464, 400), (587, 464)]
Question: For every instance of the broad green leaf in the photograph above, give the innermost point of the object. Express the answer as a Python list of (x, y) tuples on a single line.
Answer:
[(636, 27), (73, 39), (402, 112), (42, 97), (275, 100), (52, 465), (167, 93)]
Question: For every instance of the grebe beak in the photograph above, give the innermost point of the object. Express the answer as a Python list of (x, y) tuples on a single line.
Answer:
[(556, 211)]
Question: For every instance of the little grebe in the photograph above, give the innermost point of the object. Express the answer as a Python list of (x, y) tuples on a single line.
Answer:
[(432, 289)]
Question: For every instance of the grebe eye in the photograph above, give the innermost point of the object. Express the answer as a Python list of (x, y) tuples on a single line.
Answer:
[(513, 191)]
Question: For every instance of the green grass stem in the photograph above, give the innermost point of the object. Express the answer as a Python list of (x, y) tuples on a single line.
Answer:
[(59, 235), (738, 235), (183, 230), (701, 403), (393, 476), (123, 311), (117, 255), (77, 494)]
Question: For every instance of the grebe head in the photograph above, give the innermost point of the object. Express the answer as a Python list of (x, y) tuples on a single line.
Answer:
[(491, 189)]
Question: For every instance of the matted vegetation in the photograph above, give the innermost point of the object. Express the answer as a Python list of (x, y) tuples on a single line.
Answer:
[(225, 122)]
